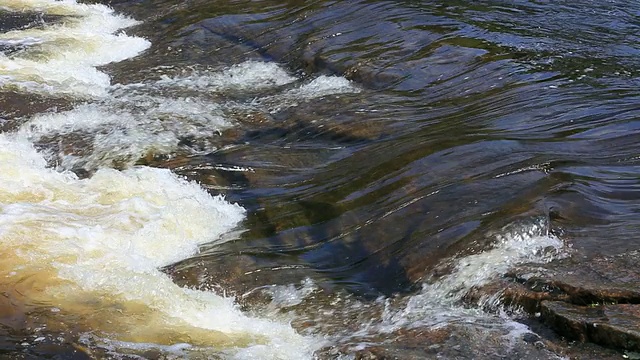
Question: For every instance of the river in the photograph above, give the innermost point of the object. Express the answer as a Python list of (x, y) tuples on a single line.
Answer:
[(305, 179)]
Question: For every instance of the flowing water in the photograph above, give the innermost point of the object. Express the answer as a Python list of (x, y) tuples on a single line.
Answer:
[(298, 179)]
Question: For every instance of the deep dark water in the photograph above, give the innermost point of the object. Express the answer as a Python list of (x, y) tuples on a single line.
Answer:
[(470, 116)]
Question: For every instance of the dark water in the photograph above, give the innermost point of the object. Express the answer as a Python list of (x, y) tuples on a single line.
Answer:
[(471, 115)]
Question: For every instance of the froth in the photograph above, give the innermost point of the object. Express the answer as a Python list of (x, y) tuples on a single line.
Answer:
[(317, 88), (91, 248), (324, 86), (439, 301), (138, 219), (94, 247), (153, 117), (440, 308), (112, 134), (515, 245), (250, 75), (62, 57)]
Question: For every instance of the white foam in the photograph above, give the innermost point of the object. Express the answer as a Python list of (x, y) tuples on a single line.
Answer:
[(151, 118), (143, 218), (92, 248), (525, 244), (117, 133), (283, 296), (108, 235), (63, 57), (319, 87), (324, 86), (249, 75), (437, 303), (440, 304)]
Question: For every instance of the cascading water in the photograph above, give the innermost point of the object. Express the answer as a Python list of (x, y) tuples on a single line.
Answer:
[(89, 230), (90, 249)]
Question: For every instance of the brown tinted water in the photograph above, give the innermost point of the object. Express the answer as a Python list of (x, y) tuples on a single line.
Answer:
[(388, 157)]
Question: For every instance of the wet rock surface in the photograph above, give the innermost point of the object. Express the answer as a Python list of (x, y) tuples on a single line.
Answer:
[(587, 281), (463, 342), (593, 300), (574, 314), (616, 325)]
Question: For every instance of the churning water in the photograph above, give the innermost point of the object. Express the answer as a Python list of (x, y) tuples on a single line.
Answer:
[(278, 180)]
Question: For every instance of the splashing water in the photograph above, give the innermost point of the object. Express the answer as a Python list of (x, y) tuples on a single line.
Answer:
[(439, 302), (62, 58), (90, 249)]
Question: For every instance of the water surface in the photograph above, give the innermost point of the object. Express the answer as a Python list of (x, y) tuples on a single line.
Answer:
[(274, 179)]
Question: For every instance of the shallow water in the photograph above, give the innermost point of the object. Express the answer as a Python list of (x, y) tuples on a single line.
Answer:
[(268, 179)]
